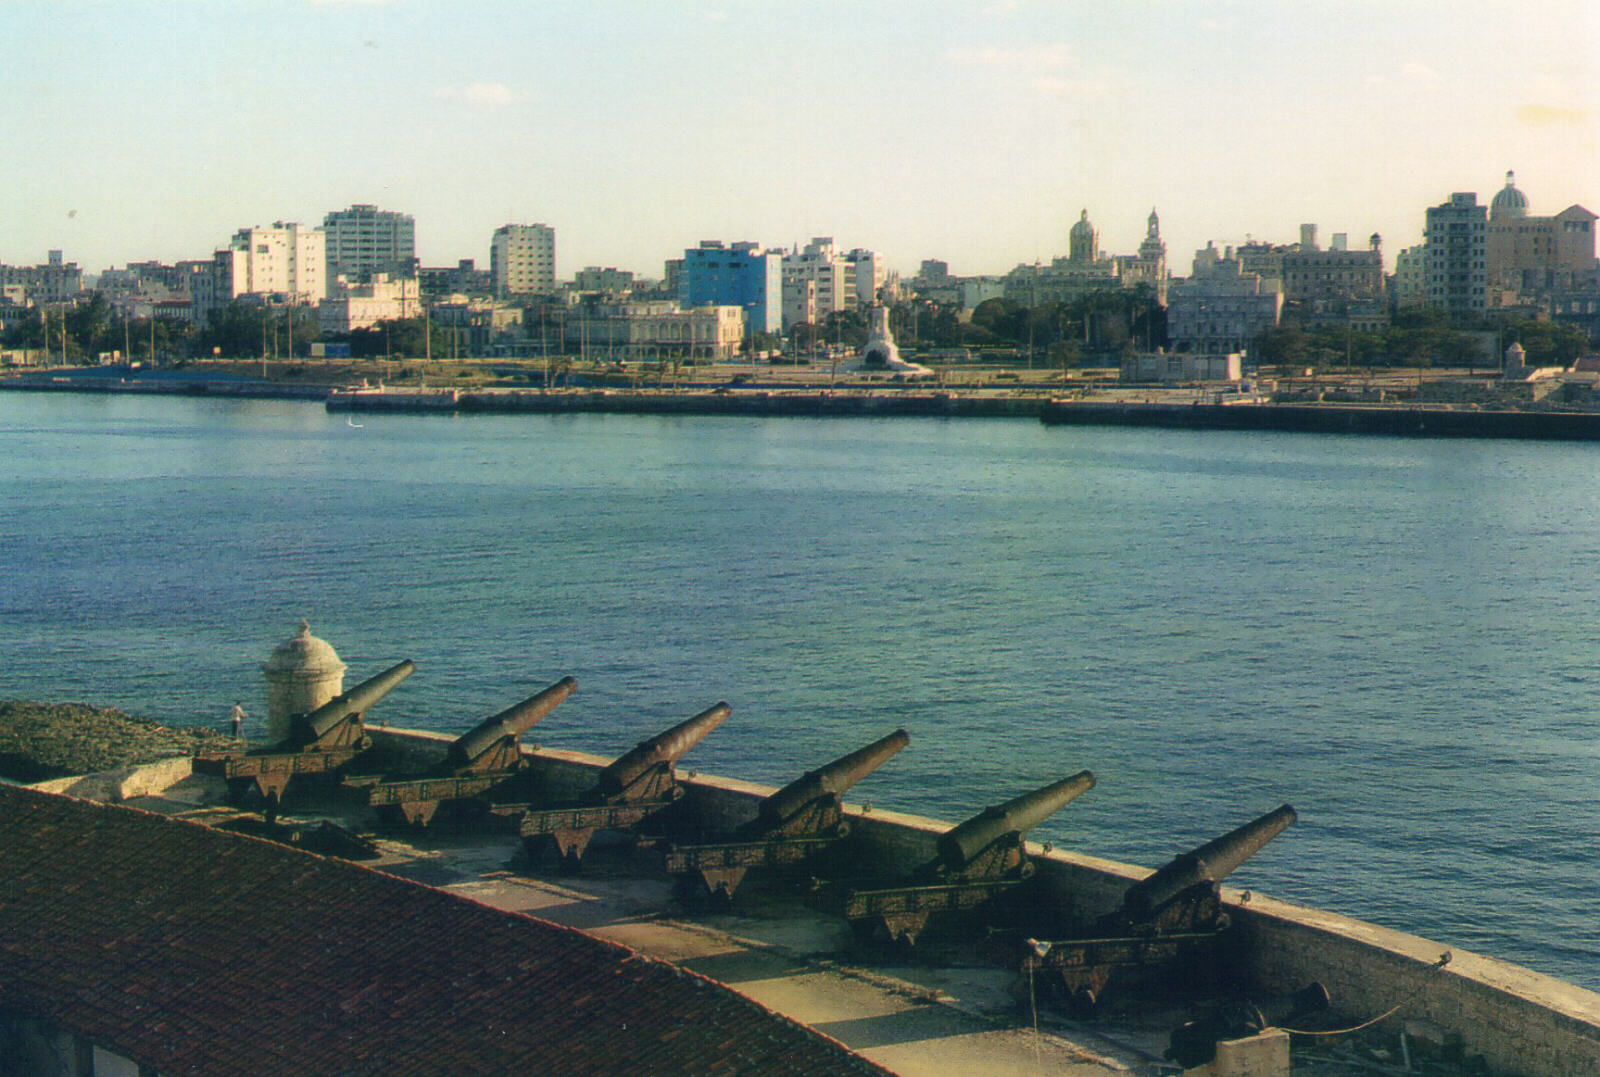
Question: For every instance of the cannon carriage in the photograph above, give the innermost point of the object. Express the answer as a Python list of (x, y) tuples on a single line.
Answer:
[(1170, 931), (481, 761), (792, 826), (977, 862), (637, 787), (321, 743)]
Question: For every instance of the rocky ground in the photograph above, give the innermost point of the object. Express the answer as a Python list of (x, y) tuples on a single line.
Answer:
[(39, 741)]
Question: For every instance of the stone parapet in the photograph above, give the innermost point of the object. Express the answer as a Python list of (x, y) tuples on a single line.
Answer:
[(1520, 1021)]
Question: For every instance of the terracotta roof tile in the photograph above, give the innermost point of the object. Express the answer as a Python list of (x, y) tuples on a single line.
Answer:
[(197, 951)]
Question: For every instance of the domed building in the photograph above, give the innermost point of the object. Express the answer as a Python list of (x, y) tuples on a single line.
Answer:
[(1533, 261), (302, 674), (1510, 204), (1082, 270), (1083, 243)]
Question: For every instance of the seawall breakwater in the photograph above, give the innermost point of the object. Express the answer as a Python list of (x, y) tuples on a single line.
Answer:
[(1331, 419), (166, 386), (1465, 422), (797, 403)]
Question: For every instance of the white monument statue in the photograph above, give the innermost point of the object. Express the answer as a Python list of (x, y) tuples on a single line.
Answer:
[(881, 351)]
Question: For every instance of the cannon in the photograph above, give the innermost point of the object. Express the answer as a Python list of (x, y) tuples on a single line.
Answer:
[(1170, 931), (478, 761), (322, 741), (631, 789), (799, 820), (976, 862)]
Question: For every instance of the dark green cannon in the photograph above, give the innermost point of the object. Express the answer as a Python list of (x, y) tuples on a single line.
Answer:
[(322, 741), (340, 721), (646, 772), (977, 861), (634, 787), (793, 824), (1170, 932), (479, 761), (1184, 894)]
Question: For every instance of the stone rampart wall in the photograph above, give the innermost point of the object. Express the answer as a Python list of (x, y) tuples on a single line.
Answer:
[(1520, 1021), (115, 786)]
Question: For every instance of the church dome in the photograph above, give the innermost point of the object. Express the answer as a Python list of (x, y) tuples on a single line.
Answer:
[(1510, 202), (1084, 242), (303, 655)]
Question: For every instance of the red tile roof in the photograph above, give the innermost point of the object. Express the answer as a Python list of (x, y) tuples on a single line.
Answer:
[(196, 951)]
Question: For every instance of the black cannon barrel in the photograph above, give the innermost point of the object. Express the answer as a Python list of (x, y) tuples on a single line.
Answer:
[(1210, 863), (667, 747), (509, 723), (357, 701), (836, 777), (961, 845)]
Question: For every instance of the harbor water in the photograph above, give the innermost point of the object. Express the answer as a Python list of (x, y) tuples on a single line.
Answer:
[(1397, 636)]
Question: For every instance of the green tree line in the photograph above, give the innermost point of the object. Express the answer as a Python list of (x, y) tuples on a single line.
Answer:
[(1420, 338)]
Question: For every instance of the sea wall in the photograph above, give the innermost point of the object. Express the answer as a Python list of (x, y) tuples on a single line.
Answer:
[(1520, 1021), (166, 386), (1331, 419), (883, 402)]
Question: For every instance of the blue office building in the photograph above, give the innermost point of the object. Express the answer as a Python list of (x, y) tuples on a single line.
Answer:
[(741, 275)]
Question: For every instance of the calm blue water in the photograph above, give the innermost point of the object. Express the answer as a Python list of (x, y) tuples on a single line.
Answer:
[(1398, 637)]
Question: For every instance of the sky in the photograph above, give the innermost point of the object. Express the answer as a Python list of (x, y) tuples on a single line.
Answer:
[(969, 132)]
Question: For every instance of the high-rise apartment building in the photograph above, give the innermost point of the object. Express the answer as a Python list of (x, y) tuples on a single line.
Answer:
[(288, 260), (819, 280), (814, 283), (364, 240), (1454, 263), (522, 259), (740, 275)]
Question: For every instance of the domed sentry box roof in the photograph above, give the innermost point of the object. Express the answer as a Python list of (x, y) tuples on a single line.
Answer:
[(305, 655), (302, 674)]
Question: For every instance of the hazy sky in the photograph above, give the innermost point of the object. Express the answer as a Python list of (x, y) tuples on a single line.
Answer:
[(972, 132)]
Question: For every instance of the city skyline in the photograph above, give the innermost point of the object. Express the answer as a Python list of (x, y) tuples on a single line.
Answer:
[(972, 133)]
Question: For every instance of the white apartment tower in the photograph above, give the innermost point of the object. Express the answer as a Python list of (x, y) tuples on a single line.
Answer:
[(867, 273), (814, 283), (1454, 258), (819, 280), (364, 240), (522, 259), (286, 259)]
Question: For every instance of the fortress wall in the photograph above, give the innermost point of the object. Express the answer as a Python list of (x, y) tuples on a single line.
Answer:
[(115, 786), (1520, 1021)]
